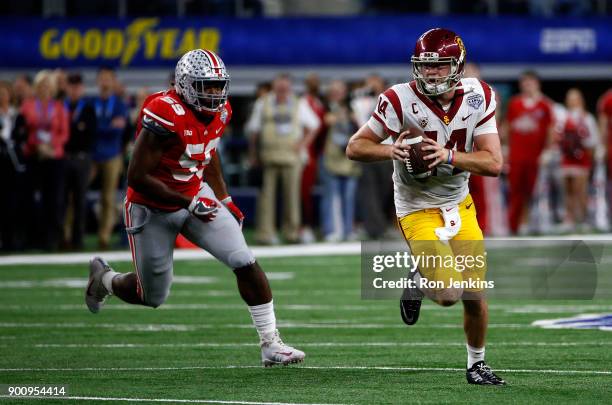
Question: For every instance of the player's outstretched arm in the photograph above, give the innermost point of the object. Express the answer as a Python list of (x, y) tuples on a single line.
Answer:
[(365, 146), (147, 154)]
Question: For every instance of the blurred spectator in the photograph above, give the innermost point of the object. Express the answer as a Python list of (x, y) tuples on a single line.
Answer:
[(309, 174), (61, 83), (338, 174), (529, 128), (10, 167), (78, 160), (281, 129), (604, 114), (134, 111), (111, 115), (578, 138), (139, 99), (22, 89), (375, 183), (46, 120)]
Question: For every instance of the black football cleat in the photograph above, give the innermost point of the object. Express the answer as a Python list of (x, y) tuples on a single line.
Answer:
[(481, 374), (410, 303)]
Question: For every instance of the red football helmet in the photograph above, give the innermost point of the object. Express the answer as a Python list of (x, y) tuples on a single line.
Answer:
[(438, 46)]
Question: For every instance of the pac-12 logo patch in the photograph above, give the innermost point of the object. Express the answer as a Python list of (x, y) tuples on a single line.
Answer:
[(582, 321), (475, 100), (423, 121)]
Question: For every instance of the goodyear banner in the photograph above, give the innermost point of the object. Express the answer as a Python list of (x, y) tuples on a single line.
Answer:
[(156, 42)]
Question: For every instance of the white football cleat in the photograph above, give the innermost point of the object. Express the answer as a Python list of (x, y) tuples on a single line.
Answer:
[(96, 293), (275, 352)]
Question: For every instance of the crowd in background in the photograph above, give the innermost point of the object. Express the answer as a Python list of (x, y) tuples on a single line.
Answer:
[(56, 143), (62, 152), (554, 179)]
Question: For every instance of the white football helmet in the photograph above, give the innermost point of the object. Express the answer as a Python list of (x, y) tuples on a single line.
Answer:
[(201, 80)]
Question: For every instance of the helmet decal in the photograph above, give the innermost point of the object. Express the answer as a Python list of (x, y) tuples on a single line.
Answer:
[(459, 42)]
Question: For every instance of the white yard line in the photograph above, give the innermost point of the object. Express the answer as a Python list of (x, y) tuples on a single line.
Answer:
[(366, 307), (353, 368), (332, 324), (171, 307), (187, 401), (315, 249), (311, 344)]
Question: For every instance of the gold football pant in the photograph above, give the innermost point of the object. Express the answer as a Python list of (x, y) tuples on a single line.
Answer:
[(463, 258)]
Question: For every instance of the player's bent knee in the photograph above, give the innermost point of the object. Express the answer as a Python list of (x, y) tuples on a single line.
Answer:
[(445, 303), (155, 300), (240, 258), (448, 296)]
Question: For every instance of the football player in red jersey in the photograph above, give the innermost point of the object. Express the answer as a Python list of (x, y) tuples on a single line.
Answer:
[(529, 128), (175, 185)]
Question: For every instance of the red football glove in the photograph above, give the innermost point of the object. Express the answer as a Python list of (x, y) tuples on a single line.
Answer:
[(234, 210), (204, 209)]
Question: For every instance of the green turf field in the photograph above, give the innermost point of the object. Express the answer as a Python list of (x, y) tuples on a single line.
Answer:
[(200, 347)]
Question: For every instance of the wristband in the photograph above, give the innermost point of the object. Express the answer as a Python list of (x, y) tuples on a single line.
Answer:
[(226, 200), (451, 157)]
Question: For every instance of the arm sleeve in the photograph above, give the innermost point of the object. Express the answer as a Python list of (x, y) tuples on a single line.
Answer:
[(486, 122), (384, 120)]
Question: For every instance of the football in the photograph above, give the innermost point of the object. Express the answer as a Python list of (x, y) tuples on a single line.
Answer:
[(415, 164)]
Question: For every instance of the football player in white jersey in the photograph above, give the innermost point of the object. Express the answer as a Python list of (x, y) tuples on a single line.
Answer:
[(436, 213)]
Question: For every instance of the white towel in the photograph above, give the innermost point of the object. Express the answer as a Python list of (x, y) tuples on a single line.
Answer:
[(452, 223)]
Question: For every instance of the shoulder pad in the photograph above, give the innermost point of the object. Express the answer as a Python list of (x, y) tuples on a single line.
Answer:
[(154, 126), (160, 109)]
